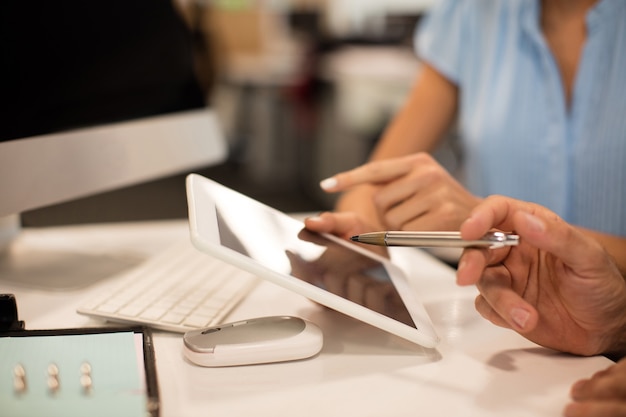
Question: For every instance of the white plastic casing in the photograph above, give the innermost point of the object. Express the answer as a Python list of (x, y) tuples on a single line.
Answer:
[(254, 341)]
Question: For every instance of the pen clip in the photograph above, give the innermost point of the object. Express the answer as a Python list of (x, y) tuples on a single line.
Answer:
[(500, 239)]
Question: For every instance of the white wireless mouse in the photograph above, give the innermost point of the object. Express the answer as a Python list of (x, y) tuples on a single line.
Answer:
[(253, 341)]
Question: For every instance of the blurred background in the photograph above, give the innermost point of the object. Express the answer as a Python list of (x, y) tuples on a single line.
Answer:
[(302, 89)]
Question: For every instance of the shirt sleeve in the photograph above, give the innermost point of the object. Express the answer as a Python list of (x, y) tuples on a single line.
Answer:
[(440, 38)]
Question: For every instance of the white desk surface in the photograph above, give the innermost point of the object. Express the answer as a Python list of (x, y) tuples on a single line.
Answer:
[(478, 370)]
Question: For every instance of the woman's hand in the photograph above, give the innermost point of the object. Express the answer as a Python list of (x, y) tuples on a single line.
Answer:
[(412, 192), (341, 224), (344, 225)]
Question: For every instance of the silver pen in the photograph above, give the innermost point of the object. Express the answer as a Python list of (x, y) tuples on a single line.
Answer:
[(491, 240)]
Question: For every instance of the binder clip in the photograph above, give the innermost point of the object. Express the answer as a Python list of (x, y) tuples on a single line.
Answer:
[(8, 314)]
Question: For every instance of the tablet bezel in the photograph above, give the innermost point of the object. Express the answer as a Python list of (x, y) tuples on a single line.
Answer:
[(204, 233)]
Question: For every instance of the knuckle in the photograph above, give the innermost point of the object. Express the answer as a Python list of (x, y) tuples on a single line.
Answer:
[(379, 201), (450, 215), (433, 174), (374, 169), (422, 158), (392, 222)]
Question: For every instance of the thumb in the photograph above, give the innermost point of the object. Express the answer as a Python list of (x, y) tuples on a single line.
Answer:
[(552, 234)]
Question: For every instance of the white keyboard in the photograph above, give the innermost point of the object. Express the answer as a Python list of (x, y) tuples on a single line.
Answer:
[(178, 290)]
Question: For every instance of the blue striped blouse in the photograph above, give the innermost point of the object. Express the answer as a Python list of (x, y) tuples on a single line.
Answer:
[(519, 136)]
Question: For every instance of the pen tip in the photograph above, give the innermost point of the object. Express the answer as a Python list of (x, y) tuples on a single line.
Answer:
[(354, 238)]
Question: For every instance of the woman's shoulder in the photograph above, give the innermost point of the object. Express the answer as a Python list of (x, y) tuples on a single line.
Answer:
[(479, 11), (458, 35), (470, 19)]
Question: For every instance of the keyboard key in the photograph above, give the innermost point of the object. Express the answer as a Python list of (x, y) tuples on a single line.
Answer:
[(152, 313), (130, 310), (173, 318), (199, 322), (109, 307)]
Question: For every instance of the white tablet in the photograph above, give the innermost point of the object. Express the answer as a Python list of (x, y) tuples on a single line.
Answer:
[(339, 274)]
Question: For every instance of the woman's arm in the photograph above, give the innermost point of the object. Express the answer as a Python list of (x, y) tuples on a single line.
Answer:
[(419, 126)]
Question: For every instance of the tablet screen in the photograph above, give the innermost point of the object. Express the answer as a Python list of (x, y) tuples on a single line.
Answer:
[(281, 244)]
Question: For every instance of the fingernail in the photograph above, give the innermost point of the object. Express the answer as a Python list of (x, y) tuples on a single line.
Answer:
[(535, 223), (520, 317), (460, 273), (462, 263), (328, 183), (467, 222)]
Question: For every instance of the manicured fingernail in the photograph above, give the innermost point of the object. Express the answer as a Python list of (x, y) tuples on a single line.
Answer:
[(520, 317), (535, 223), (328, 183)]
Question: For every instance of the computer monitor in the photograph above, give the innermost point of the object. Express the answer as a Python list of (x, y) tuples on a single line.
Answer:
[(95, 96)]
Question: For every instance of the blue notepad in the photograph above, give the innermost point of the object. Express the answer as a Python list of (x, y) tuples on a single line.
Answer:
[(74, 374)]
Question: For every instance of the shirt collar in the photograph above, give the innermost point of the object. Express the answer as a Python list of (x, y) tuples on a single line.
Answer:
[(602, 13), (605, 11), (529, 14)]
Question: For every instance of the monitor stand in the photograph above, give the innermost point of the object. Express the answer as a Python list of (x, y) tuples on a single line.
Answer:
[(40, 263)]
